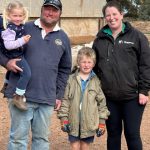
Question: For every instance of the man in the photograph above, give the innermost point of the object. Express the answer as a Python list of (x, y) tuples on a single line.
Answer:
[(49, 56)]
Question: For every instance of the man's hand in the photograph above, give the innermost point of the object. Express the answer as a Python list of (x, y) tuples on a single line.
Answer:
[(143, 99), (11, 65), (57, 105), (101, 130)]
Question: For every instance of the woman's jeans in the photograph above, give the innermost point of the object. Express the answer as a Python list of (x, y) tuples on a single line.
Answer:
[(127, 114), (36, 118)]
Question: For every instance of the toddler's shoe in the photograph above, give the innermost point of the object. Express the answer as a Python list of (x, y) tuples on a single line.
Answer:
[(19, 102)]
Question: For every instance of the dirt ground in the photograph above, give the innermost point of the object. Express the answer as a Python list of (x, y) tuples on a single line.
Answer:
[(58, 139)]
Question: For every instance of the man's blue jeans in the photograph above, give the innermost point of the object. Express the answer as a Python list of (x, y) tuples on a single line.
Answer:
[(37, 118)]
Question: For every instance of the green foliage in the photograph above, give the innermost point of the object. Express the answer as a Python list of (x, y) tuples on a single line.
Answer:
[(131, 7), (144, 10), (136, 8)]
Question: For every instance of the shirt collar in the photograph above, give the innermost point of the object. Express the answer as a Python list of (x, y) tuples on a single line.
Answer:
[(92, 74), (38, 23), (43, 32)]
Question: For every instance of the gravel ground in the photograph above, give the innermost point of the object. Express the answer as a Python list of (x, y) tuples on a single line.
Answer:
[(58, 139)]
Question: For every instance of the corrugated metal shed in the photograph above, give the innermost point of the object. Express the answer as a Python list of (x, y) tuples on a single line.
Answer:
[(81, 19), (82, 8), (71, 8)]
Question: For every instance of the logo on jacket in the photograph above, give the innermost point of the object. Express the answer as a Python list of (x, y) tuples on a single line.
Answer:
[(125, 42), (58, 42)]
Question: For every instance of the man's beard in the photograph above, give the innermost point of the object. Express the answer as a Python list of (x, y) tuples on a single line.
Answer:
[(46, 23)]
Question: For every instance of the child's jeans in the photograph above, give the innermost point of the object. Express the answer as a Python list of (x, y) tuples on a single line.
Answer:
[(25, 76)]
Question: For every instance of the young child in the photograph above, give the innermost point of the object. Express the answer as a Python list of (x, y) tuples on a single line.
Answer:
[(83, 111), (14, 38)]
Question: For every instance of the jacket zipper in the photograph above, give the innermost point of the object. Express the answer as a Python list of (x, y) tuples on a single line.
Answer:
[(108, 50)]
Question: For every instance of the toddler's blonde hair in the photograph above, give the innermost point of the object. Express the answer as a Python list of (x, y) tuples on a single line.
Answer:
[(88, 52), (10, 7)]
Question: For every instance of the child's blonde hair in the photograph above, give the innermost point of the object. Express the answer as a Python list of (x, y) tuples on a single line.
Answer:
[(88, 52), (10, 7)]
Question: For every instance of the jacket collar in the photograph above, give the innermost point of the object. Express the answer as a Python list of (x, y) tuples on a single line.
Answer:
[(91, 75), (105, 31), (109, 32)]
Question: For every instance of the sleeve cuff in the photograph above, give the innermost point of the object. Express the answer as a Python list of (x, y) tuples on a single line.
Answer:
[(64, 118), (145, 92), (102, 121)]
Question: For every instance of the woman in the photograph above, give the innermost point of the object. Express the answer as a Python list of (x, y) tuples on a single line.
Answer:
[(123, 66)]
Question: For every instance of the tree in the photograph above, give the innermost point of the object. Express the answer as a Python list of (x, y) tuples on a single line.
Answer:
[(130, 7), (144, 10)]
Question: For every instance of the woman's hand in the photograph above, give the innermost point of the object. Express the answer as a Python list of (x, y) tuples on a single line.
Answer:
[(143, 99)]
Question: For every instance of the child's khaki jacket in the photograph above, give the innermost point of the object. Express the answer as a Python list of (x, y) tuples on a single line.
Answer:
[(92, 111)]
